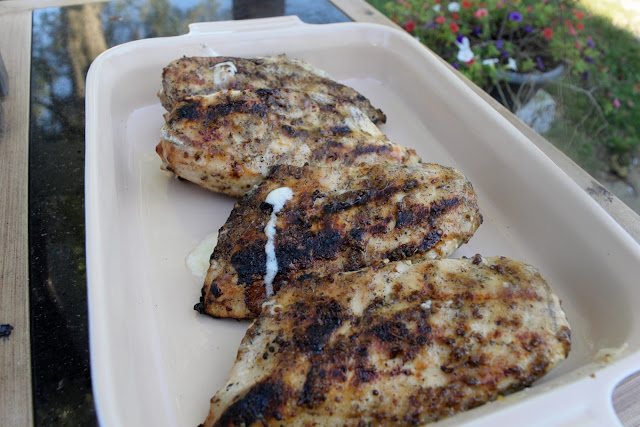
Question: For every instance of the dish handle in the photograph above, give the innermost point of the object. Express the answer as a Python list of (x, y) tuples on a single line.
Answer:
[(253, 25), (586, 402)]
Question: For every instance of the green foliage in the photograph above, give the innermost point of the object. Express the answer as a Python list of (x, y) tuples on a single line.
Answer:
[(506, 35), (597, 98)]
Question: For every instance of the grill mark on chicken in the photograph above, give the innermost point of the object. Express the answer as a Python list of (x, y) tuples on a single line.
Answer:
[(250, 262), (259, 404), (396, 344), (339, 219), (195, 76), (228, 141)]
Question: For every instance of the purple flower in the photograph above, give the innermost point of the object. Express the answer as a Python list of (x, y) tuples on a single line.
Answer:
[(505, 53), (459, 37), (540, 63), (455, 65), (588, 59), (476, 31), (499, 44), (515, 16), (585, 75), (590, 42), (528, 28)]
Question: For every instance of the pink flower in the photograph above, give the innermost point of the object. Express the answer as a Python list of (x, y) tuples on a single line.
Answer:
[(440, 19), (481, 13), (616, 103)]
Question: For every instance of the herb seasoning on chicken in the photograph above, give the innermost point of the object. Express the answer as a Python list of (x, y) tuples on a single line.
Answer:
[(227, 141), (396, 344), (338, 219), (205, 75)]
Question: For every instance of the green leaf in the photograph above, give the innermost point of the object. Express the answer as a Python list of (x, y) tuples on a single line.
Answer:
[(492, 51), (527, 65)]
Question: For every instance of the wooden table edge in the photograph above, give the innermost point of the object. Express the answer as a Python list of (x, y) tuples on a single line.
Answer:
[(16, 398)]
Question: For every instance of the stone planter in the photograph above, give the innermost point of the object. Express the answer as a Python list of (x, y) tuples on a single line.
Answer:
[(532, 78), (516, 89)]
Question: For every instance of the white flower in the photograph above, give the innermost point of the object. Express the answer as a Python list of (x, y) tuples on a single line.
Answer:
[(512, 64), (454, 6), (464, 53), (436, 8), (490, 61)]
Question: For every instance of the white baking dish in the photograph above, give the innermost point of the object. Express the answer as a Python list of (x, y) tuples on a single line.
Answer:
[(155, 361)]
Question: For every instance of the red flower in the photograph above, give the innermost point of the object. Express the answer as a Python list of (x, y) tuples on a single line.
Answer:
[(547, 33), (410, 26), (466, 4), (454, 16), (578, 45), (578, 14), (470, 62), (580, 26), (440, 19), (481, 13), (437, 1), (454, 27), (530, 9)]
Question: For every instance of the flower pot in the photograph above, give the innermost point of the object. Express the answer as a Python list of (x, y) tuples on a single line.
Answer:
[(532, 78), (514, 89)]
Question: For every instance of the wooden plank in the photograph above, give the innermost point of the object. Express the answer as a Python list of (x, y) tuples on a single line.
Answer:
[(626, 402), (625, 396), (361, 11), (14, 6), (16, 407)]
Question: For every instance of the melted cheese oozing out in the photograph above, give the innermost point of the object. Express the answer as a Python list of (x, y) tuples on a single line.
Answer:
[(224, 72), (168, 136), (198, 259), (277, 198), (359, 121)]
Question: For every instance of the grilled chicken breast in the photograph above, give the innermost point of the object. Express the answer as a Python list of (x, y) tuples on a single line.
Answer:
[(205, 75), (336, 219), (227, 141), (397, 344)]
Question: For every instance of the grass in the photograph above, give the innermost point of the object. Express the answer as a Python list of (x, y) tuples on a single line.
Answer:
[(622, 13), (611, 124), (597, 118)]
